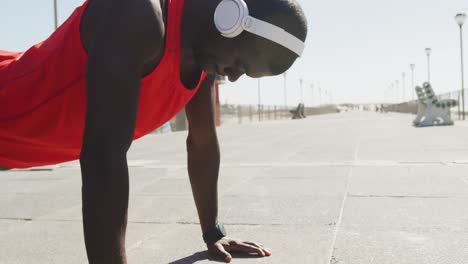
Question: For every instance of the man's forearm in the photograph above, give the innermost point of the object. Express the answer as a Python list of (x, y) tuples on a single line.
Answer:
[(105, 204), (203, 168)]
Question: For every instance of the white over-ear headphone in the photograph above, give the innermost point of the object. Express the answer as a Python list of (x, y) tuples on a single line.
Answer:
[(231, 18)]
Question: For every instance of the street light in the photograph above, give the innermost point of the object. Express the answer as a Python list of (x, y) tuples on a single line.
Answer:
[(390, 93), (386, 94), (403, 83), (397, 88), (412, 67), (312, 95), (259, 102), (301, 81), (285, 75), (320, 96), (460, 18), (392, 85), (325, 97), (428, 53), (55, 15)]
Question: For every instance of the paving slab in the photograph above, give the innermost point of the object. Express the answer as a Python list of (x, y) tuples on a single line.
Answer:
[(403, 230), (410, 181), (355, 187), (288, 244), (403, 247)]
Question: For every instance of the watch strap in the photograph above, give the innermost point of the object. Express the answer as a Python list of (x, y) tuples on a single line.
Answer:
[(214, 234)]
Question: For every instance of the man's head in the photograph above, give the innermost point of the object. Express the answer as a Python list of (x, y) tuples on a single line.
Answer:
[(251, 54)]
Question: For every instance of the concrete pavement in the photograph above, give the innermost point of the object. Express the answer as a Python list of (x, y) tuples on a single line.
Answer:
[(352, 188)]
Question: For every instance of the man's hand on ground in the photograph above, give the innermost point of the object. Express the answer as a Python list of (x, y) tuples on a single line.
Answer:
[(225, 246)]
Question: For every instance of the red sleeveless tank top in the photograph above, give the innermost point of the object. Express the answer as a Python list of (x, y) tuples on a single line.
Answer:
[(43, 96)]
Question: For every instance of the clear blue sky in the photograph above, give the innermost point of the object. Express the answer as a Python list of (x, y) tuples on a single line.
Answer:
[(355, 48)]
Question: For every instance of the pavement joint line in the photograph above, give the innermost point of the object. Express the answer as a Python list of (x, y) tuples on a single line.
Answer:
[(22, 219), (331, 258), (402, 196), (360, 163), (187, 195), (19, 219)]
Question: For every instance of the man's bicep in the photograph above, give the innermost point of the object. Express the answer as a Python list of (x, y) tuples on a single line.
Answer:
[(113, 75), (112, 103), (112, 88)]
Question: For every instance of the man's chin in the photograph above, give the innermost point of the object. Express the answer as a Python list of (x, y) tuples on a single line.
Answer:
[(233, 79)]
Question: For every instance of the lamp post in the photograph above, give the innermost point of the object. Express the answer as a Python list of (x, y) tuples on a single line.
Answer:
[(325, 97), (312, 95), (412, 67), (301, 81), (428, 54), (320, 96), (460, 18), (385, 94), (259, 102), (397, 88), (403, 84), (55, 15), (285, 87), (391, 92)]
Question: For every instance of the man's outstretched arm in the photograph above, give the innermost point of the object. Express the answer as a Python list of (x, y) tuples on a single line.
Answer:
[(203, 155), (114, 69), (203, 168)]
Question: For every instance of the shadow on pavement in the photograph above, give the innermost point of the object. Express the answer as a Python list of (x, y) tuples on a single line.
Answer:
[(199, 256), (203, 255)]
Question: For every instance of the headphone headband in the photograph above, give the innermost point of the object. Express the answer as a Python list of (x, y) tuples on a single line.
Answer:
[(232, 18)]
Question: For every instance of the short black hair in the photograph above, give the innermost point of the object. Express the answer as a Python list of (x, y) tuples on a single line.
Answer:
[(286, 14)]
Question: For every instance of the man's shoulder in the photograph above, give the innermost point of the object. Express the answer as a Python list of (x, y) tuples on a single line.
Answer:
[(137, 15), (138, 22)]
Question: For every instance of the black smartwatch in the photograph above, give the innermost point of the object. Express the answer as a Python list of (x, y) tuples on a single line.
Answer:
[(214, 234)]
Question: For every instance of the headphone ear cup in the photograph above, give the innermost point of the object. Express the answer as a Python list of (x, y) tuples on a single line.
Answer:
[(229, 16)]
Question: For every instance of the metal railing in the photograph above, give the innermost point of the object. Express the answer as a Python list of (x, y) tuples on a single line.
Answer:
[(230, 114), (457, 112), (239, 114)]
